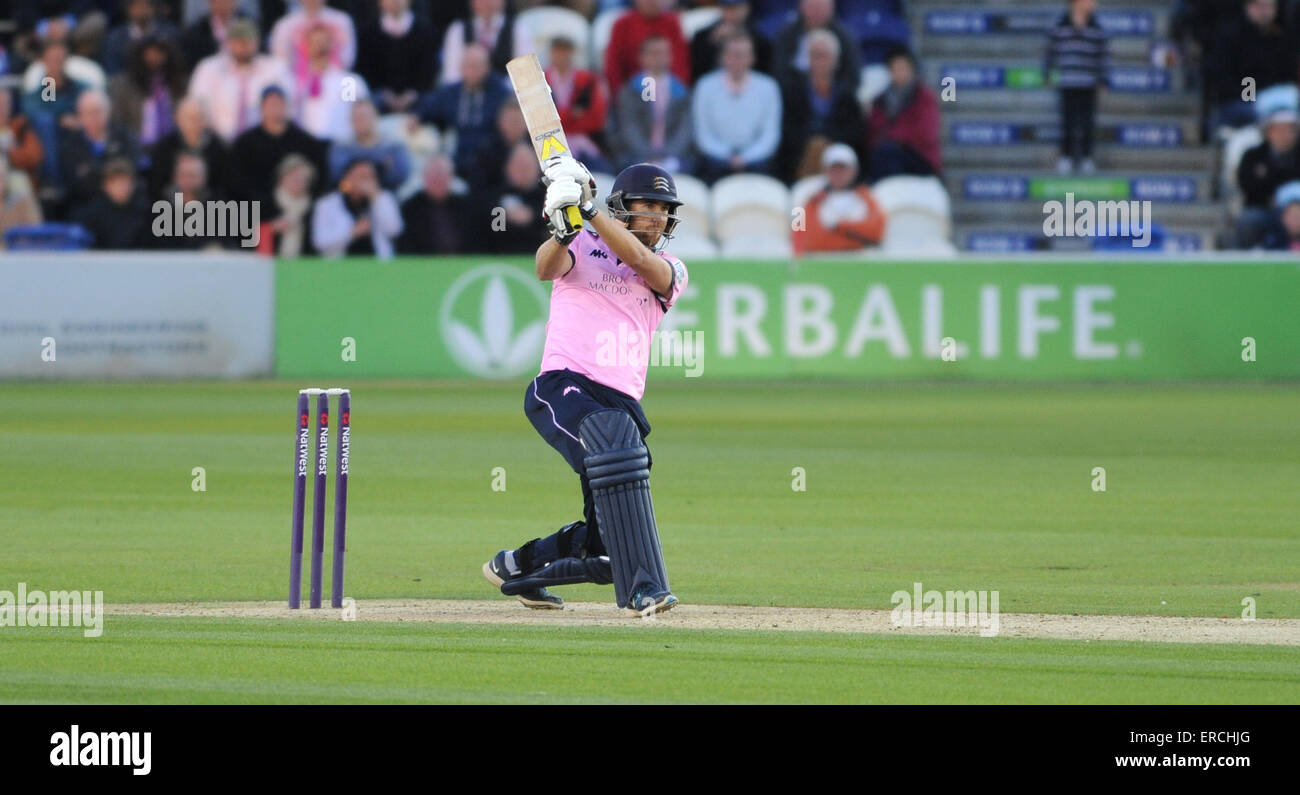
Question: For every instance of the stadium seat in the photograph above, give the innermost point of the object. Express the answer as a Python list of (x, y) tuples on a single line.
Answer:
[(601, 29), (757, 246), (748, 205), (804, 189), (916, 233), (751, 216), (739, 190), (919, 215), (697, 208), (873, 81), (692, 247), (697, 19), (547, 22), (923, 193)]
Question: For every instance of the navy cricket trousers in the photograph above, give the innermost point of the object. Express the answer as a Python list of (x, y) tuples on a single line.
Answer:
[(556, 402)]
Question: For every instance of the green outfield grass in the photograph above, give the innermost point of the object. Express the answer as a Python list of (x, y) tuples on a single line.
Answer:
[(966, 487), (154, 660)]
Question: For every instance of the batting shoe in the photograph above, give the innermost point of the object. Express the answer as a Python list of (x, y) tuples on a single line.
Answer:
[(648, 602), (539, 599)]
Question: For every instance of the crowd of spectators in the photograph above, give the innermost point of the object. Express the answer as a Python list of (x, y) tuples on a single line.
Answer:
[(384, 126), (313, 109)]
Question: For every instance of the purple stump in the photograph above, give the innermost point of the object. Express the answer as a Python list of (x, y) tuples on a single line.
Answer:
[(318, 508), (302, 444), (341, 497)]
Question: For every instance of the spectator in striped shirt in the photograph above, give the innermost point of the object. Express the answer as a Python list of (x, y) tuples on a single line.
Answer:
[(1076, 52)]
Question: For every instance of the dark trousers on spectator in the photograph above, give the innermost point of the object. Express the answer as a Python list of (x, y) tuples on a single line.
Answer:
[(1251, 226), (891, 158), (1078, 120)]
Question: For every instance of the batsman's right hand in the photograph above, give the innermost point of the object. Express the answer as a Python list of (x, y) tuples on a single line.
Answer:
[(562, 196)]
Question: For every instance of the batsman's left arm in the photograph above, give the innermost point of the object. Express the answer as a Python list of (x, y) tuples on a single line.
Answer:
[(651, 267)]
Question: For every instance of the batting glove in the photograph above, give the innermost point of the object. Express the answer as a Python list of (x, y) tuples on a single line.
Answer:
[(560, 196), (562, 167)]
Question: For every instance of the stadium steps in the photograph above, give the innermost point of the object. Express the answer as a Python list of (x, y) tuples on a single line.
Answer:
[(1202, 215), (963, 232), (1039, 102), (956, 177), (1019, 29), (1000, 84), (1199, 211), (995, 83), (1017, 46), (1105, 119), (1109, 157)]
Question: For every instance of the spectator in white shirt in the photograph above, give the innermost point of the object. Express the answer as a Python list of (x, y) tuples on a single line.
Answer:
[(360, 218), (325, 91), (230, 84), (289, 36), (737, 115), (491, 24)]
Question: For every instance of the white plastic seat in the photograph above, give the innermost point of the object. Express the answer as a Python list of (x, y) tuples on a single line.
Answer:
[(692, 247), (919, 212), (804, 189), (740, 190), (757, 243), (544, 23), (750, 221), (697, 206), (749, 206), (916, 231), (924, 192)]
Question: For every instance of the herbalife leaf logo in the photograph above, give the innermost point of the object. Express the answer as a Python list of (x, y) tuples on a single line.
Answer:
[(493, 321)]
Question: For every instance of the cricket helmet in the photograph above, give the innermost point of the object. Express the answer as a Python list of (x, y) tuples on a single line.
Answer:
[(649, 182)]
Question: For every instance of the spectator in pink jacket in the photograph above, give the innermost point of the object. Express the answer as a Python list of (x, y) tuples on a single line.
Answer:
[(903, 133)]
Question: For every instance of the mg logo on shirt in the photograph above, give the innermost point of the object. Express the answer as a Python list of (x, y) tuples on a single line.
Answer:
[(493, 321)]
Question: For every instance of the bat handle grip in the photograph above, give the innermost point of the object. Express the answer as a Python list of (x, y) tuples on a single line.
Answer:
[(573, 218)]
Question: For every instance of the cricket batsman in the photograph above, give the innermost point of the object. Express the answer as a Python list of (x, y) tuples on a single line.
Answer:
[(612, 284)]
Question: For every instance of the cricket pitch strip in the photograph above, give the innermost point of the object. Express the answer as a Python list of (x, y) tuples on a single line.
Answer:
[(1160, 629)]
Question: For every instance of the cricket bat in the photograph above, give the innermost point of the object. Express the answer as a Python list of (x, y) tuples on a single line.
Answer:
[(540, 115)]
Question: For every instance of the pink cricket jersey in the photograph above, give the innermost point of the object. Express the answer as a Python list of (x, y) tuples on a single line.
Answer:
[(603, 315)]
